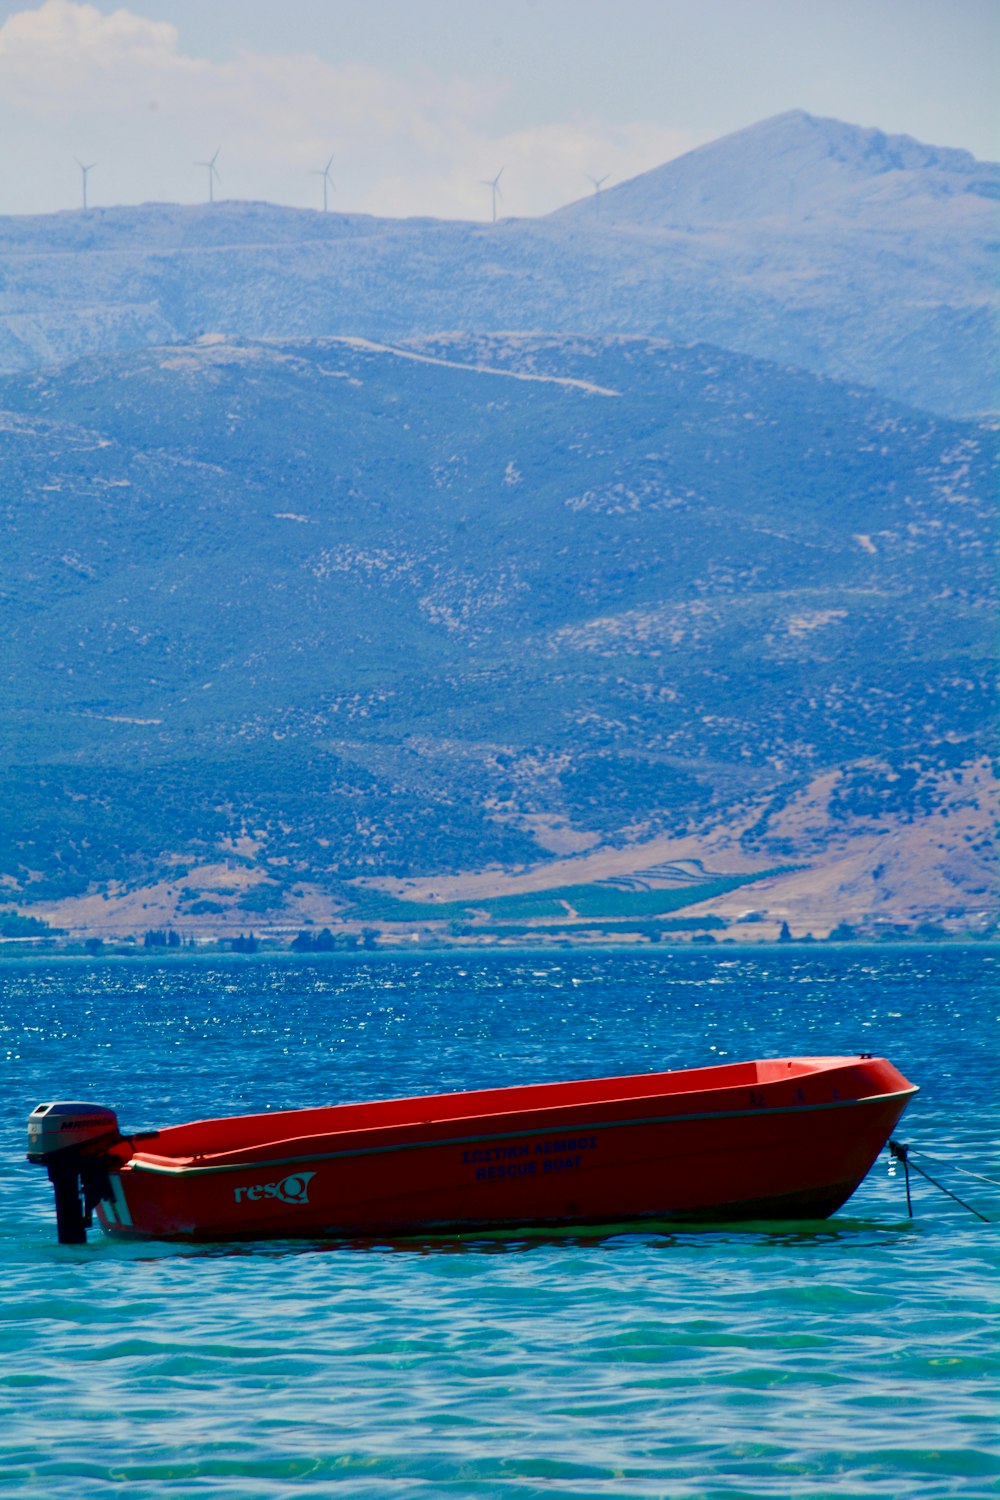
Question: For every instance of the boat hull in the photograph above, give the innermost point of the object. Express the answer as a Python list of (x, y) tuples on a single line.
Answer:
[(792, 1139)]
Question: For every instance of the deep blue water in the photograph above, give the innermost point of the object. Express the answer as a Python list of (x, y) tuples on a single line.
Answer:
[(852, 1358)]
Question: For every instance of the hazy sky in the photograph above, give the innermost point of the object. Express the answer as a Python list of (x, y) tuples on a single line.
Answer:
[(418, 100)]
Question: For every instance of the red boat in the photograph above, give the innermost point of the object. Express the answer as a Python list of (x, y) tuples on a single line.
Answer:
[(788, 1138)]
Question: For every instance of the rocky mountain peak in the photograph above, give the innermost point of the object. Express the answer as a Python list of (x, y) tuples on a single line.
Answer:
[(788, 166)]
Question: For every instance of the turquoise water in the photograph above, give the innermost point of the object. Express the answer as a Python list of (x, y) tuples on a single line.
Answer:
[(853, 1358)]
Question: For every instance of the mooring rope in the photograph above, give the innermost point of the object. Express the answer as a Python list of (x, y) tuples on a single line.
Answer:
[(902, 1153), (954, 1167)]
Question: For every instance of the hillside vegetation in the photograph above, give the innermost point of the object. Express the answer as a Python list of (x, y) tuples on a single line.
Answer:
[(355, 610)]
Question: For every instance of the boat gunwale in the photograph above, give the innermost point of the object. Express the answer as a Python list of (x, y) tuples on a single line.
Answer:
[(490, 1102), (189, 1167)]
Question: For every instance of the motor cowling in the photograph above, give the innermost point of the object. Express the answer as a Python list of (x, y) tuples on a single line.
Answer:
[(64, 1126), (68, 1139)]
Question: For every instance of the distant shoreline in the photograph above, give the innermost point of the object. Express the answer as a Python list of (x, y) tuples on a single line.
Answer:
[(21, 951)]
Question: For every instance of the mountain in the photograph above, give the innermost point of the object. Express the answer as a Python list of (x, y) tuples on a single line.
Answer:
[(792, 168), (627, 562), (284, 615), (819, 245)]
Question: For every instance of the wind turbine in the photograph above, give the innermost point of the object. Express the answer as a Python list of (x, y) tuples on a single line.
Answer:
[(494, 184), (212, 172), (324, 172), (598, 184), (84, 169)]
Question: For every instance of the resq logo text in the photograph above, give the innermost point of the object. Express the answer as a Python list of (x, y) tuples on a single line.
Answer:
[(293, 1189)]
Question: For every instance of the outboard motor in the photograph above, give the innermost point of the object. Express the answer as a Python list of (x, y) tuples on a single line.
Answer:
[(69, 1140)]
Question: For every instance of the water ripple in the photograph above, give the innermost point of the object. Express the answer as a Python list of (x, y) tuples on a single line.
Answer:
[(849, 1359)]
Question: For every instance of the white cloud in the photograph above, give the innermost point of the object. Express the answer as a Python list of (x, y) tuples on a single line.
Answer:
[(119, 89), (64, 55)]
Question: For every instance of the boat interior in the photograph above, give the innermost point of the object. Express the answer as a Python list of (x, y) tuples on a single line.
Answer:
[(206, 1138)]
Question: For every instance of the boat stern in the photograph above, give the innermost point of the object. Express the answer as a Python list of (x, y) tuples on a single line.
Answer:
[(72, 1140)]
